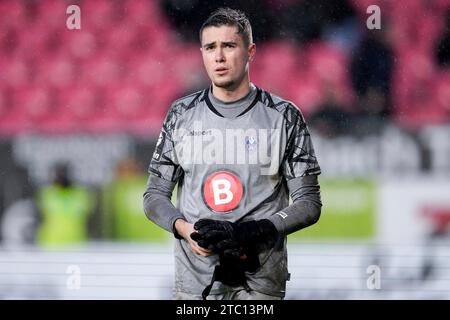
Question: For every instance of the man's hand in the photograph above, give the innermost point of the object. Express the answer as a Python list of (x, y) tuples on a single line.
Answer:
[(230, 238), (218, 236), (185, 229)]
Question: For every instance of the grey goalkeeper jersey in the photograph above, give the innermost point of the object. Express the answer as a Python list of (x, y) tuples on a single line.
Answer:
[(233, 169)]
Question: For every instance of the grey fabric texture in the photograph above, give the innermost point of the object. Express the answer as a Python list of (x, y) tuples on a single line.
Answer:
[(234, 108), (267, 148)]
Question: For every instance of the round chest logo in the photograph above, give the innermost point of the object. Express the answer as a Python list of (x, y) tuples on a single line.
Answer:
[(222, 191)]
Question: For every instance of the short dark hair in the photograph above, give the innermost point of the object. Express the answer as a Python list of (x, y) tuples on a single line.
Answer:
[(230, 17)]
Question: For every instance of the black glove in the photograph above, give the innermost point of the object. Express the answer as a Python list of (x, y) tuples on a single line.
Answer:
[(217, 236), (230, 272), (233, 239), (237, 245)]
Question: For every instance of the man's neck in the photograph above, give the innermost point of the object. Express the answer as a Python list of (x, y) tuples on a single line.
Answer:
[(228, 95)]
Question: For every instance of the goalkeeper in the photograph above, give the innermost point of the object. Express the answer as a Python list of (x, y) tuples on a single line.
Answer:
[(236, 152)]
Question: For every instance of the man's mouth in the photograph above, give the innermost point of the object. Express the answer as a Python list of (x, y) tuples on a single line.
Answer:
[(221, 70)]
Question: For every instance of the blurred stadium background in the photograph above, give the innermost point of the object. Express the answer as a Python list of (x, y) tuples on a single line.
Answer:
[(80, 111)]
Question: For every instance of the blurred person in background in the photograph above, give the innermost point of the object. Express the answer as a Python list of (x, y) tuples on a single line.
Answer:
[(443, 45), (121, 208), (332, 117), (65, 210), (232, 218), (371, 70), (20, 218), (307, 21)]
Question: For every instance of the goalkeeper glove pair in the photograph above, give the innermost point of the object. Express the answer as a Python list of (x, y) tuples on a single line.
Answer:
[(231, 239), (237, 245)]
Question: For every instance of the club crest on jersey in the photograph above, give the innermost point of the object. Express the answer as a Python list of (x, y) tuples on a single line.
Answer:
[(250, 142), (222, 191)]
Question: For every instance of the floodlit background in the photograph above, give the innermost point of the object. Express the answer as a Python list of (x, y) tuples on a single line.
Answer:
[(80, 111)]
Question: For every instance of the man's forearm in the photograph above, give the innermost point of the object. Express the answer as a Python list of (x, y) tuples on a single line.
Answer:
[(158, 206), (305, 209)]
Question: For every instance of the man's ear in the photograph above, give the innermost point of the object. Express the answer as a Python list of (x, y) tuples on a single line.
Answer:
[(251, 52)]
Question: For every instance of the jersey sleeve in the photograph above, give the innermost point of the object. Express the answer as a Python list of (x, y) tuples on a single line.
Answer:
[(164, 163), (299, 159)]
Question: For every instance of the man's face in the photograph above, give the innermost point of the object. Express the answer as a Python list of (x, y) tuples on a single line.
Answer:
[(225, 56)]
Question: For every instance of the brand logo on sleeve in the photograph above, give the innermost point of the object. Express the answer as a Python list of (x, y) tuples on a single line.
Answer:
[(222, 191), (159, 146)]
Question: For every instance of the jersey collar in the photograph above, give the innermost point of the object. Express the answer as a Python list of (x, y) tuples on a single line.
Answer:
[(214, 110)]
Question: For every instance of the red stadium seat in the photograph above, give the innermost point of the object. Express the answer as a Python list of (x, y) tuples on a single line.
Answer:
[(412, 88), (11, 120), (145, 13), (329, 65), (442, 94), (147, 69), (101, 70), (56, 71), (80, 102), (34, 39), (305, 91), (35, 109), (35, 102), (156, 102), (99, 15), (81, 44), (121, 37), (16, 71), (5, 103), (276, 64), (53, 13), (13, 14), (185, 69), (77, 106), (418, 104), (328, 62), (9, 40), (128, 101)]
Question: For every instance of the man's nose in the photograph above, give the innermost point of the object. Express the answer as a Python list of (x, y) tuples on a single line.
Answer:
[(219, 55)]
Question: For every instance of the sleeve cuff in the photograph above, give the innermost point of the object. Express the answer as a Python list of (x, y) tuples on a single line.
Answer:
[(174, 231), (278, 221)]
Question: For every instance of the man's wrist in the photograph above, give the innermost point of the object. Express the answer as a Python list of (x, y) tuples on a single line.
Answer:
[(258, 232), (178, 228)]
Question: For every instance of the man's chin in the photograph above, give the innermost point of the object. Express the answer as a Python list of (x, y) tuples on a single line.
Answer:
[(225, 84)]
